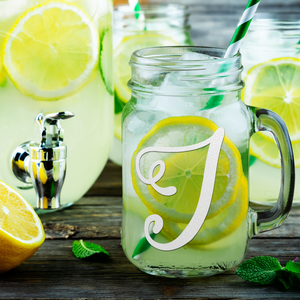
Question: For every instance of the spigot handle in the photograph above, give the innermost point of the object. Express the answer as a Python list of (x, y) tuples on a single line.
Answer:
[(50, 128)]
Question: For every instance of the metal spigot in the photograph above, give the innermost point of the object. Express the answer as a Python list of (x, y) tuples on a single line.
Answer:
[(44, 164)]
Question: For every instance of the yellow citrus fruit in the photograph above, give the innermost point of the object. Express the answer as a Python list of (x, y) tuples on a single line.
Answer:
[(185, 170), (275, 85), (219, 226), (122, 56), (267, 151), (51, 51), (118, 128), (21, 231)]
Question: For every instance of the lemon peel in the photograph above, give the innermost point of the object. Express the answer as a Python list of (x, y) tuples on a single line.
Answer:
[(183, 131)]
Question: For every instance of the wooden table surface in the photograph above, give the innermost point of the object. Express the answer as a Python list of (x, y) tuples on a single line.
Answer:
[(53, 272)]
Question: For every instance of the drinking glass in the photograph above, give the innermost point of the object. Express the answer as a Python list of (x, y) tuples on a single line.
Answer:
[(56, 56), (186, 138), (271, 59), (153, 25)]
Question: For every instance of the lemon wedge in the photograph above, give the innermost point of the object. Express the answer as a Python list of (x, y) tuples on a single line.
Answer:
[(185, 170), (275, 85), (51, 51), (21, 231)]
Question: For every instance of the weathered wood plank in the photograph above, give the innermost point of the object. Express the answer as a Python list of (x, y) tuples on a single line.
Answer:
[(101, 217), (55, 273), (109, 182)]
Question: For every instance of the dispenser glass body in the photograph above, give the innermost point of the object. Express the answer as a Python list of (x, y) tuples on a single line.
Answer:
[(56, 56)]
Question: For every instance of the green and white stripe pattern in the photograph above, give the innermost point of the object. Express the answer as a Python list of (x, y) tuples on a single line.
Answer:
[(135, 5), (242, 28)]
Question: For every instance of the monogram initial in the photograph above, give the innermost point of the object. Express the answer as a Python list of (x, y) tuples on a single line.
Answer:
[(196, 222)]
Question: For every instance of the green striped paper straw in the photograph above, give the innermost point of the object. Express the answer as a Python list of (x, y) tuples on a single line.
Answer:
[(235, 43), (135, 6), (242, 28)]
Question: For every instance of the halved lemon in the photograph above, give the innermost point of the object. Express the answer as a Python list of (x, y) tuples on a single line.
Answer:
[(51, 51), (221, 225), (122, 56), (21, 231), (185, 170), (275, 85)]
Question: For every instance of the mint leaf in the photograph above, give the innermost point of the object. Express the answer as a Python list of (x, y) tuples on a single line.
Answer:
[(293, 267), (288, 278), (142, 246), (260, 269), (83, 249)]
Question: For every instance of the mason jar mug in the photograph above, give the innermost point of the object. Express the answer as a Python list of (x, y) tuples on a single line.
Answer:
[(271, 59), (151, 26), (186, 138)]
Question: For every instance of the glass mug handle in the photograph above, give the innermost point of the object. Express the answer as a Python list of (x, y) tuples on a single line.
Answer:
[(266, 120)]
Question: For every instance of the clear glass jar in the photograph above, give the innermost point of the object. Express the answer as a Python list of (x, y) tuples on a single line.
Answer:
[(84, 35), (185, 206), (271, 53), (154, 25)]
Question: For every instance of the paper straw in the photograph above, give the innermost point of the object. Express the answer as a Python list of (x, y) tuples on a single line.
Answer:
[(235, 44), (242, 28), (135, 5)]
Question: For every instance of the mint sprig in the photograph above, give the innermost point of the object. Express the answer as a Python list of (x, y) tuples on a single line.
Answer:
[(142, 246), (267, 270), (83, 249)]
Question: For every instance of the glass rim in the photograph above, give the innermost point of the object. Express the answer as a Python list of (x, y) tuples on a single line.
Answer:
[(151, 58), (215, 75), (284, 20), (163, 10)]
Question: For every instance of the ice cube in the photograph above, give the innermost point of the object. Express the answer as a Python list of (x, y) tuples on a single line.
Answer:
[(195, 56), (234, 119)]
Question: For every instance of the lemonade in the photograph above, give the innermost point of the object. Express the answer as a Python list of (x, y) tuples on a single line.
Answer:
[(56, 56), (152, 26), (271, 73), (185, 168)]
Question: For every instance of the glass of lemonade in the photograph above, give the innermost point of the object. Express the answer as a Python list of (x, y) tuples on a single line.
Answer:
[(57, 56), (271, 59), (154, 25), (185, 163)]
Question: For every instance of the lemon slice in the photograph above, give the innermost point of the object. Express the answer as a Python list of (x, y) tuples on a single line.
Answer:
[(51, 51), (185, 170), (221, 225), (21, 231), (267, 151), (275, 85), (122, 56), (118, 128), (2, 79)]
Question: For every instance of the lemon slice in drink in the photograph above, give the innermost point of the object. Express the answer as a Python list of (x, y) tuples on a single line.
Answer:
[(21, 231), (51, 51), (275, 85), (122, 56), (185, 170), (221, 225)]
